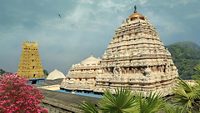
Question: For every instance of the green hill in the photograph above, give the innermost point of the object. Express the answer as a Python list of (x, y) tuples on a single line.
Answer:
[(186, 55)]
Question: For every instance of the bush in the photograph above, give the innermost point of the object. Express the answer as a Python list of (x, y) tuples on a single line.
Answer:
[(16, 96)]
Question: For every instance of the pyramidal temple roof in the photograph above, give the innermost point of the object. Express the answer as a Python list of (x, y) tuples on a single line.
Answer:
[(135, 39), (90, 60), (136, 15), (55, 75)]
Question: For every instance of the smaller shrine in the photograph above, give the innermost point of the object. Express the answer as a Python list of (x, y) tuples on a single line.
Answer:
[(82, 76), (54, 75)]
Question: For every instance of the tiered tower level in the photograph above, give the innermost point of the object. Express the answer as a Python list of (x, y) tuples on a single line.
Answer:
[(135, 58), (30, 65)]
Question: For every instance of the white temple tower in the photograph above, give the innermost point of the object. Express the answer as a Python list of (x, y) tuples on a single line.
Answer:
[(135, 58)]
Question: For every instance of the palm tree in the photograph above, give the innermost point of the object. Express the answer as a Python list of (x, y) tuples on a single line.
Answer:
[(171, 108), (185, 95), (88, 107), (123, 101), (153, 103)]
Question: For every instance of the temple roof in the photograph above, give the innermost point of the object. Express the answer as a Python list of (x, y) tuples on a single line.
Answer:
[(55, 75), (136, 15), (90, 60)]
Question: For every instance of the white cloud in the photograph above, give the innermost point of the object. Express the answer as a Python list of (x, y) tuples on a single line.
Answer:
[(81, 17), (168, 25), (194, 15), (87, 1), (143, 2), (113, 6)]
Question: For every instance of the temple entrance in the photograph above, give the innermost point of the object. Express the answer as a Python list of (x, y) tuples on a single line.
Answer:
[(34, 82)]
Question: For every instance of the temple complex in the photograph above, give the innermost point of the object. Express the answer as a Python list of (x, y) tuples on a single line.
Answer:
[(30, 65), (135, 58)]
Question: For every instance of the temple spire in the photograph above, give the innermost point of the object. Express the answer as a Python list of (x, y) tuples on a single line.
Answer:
[(135, 9), (30, 65)]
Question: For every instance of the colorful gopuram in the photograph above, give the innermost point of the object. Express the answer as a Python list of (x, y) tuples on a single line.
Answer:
[(30, 65), (135, 58)]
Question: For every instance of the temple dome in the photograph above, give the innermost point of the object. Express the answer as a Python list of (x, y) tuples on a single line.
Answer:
[(136, 15), (90, 61), (55, 75)]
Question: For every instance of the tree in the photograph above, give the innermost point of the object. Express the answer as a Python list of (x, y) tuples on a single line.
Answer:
[(89, 107), (185, 55), (16, 96), (2, 71), (46, 73), (122, 101), (151, 104), (196, 76), (171, 108), (187, 96)]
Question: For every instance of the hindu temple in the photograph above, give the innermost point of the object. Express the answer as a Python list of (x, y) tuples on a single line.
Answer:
[(30, 65), (135, 58)]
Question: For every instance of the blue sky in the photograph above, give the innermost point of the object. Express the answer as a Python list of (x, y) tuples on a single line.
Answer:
[(85, 27)]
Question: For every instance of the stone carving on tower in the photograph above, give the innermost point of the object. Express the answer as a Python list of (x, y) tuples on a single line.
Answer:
[(30, 65), (137, 59)]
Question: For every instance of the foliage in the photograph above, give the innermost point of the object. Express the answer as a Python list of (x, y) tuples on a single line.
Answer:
[(186, 95), (2, 71), (124, 101), (171, 108), (88, 107), (196, 76), (16, 96), (185, 100), (46, 73), (151, 104), (185, 55)]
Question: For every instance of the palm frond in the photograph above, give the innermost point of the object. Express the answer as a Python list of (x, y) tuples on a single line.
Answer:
[(122, 101), (170, 108), (151, 104), (186, 94), (88, 107)]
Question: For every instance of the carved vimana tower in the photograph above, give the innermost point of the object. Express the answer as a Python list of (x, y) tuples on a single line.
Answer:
[(30, 65), (135, 58)]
